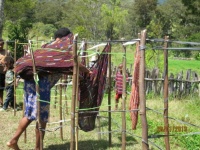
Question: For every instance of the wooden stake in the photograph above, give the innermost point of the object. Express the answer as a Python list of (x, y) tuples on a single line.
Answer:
[(109, 98), (73, 103), (145, 145), (166, 123), (38, 99), (56, 94), (25, 135), (60, 107), (77, 106), (15, 49), (124, 102)]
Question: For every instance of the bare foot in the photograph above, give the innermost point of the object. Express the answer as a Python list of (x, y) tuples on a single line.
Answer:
[(13, 145)]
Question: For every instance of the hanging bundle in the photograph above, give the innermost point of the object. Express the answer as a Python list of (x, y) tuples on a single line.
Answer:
[(92, 90)]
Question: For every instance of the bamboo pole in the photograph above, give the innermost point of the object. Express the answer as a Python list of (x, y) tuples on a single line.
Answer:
[(38, 99), (145, 145), (109, 98), (60, 108), (124, 101), (166, 123), (73, 103)]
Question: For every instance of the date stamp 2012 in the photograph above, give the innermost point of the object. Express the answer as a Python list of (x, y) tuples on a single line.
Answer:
[(172, 128)]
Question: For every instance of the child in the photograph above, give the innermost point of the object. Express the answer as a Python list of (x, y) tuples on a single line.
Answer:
[(8, 62), (119, 85)]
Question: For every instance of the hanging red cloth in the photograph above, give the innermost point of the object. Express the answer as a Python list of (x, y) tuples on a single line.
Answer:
[(134, 98)]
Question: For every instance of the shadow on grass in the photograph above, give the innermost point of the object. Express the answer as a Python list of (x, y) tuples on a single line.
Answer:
[(91, 145)]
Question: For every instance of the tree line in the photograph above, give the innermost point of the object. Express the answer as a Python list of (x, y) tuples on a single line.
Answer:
[(98, 20)]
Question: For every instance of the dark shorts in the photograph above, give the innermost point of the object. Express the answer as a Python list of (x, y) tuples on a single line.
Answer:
[(118, 96), (2, 81)]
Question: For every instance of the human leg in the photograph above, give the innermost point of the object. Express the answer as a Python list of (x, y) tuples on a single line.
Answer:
[(9, 97), (2, 85), (117, 97), (1, 97), (116, 101), (21, 128), (38, 134)]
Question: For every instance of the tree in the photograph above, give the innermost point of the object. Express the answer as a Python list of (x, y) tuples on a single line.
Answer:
[(49, 12), (113, 19), (192, 13), (18, 22), (83, 17), (144, 11), (1, 16)]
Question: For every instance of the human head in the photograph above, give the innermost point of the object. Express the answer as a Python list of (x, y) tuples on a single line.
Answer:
[(120, 67), (62, 32), (1, 43), (8, 61)]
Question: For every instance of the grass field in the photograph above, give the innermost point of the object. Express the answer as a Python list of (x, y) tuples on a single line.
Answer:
[(185, 110)]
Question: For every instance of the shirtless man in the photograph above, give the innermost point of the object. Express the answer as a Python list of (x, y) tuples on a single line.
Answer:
[(2, 73)]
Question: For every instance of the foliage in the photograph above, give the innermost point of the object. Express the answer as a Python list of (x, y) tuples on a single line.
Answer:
[(195, 38), (112, 17), (15, 10), (144, 10), (41, 30), (49, 12), (84, 17), (18, 31), (97, 20), (153, 58)]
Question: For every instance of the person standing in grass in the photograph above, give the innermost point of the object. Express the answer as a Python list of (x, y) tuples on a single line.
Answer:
[(8, 62), (2, 73), (119, 85)]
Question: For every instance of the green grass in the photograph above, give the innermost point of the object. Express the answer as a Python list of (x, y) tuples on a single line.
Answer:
[(176, 66)]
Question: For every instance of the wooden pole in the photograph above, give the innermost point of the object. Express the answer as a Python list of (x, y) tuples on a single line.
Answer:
[(99, 127), (124, 102), (60, 108), (25, 135), (56, 94), (109, 98), (38, 99), (15, 49), (6, 50), (73, 103), (85, 53), (77, 106), (145, 145), (166, 123), (65, 77)]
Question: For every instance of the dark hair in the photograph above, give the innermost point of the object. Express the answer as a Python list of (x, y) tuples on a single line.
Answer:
[(62, 32), (1, 40), (9, 60)]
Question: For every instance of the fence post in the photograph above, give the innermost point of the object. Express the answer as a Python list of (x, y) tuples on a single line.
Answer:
[(145, 144), (166, 123)]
